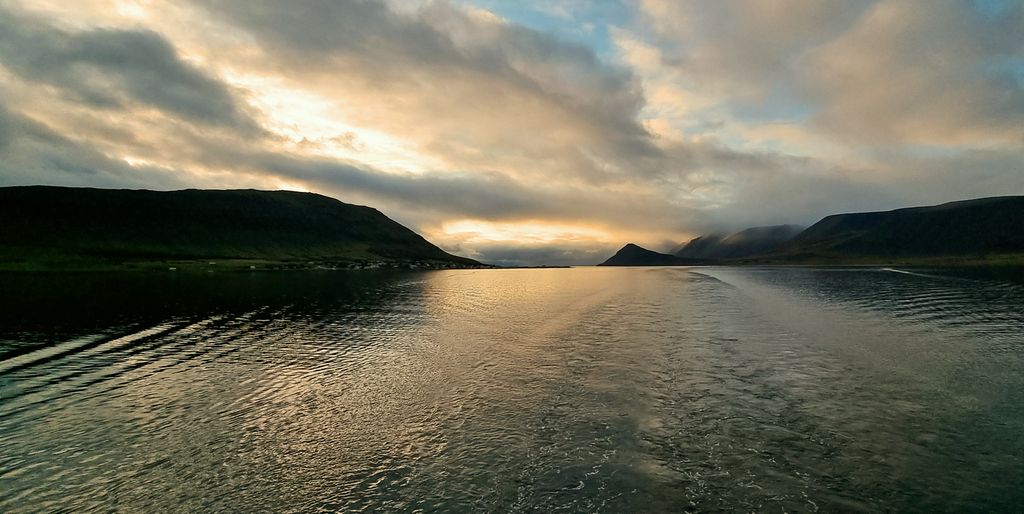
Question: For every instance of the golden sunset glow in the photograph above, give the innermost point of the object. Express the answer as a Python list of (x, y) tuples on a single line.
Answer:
[(472, 231), (312, 124)]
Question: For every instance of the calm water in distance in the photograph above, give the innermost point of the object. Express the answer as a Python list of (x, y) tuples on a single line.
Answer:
[(577, 390)]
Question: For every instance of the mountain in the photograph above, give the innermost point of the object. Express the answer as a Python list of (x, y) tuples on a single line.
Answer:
[(752, 241), (981, 231), (973, 230), (698, 246), (633, 255), (58, 227)]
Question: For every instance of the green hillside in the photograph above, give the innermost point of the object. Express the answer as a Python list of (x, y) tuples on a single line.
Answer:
[(59, 227)]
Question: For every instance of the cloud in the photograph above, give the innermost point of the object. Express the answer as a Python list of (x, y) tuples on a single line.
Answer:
[(869, 72), (745, 49), (108, 68), (6, 132), (927, 73), (32, 153), (478, 92)]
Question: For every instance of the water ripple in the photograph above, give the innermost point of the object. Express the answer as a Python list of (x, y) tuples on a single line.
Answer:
[(582, 390)]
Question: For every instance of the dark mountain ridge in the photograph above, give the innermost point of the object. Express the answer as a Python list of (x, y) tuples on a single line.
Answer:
[(965, 229), (59, 225)]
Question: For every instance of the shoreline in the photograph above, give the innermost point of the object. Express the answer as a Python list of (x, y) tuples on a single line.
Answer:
[(241, 265)]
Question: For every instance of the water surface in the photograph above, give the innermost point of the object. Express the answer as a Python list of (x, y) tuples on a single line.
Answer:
[(579, 390)]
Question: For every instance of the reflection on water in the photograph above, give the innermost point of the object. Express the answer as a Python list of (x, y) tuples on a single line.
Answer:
[(589, 389)]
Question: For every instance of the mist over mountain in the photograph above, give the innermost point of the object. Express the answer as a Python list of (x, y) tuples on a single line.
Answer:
[(982, 231), (61, 226), (752, 241)]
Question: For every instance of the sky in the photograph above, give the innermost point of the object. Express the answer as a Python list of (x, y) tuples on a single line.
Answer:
[(525, 132)]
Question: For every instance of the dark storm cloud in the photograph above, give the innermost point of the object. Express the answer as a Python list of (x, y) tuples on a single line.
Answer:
[(107, 68)]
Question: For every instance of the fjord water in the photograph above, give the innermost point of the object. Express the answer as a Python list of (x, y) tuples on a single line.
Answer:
[(587, 389)]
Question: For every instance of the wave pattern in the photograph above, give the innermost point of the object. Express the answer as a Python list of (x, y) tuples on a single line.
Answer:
[(580, 390)]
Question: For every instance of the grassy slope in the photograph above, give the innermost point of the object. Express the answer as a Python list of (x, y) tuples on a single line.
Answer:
[(56, 227)]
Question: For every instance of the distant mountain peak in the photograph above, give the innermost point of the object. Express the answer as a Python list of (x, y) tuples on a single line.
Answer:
[(634, 255)]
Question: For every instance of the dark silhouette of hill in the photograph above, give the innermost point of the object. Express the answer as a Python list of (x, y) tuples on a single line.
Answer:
[(984, 231), (55, 225), (633, 255), (752, 241), (970, 230)]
